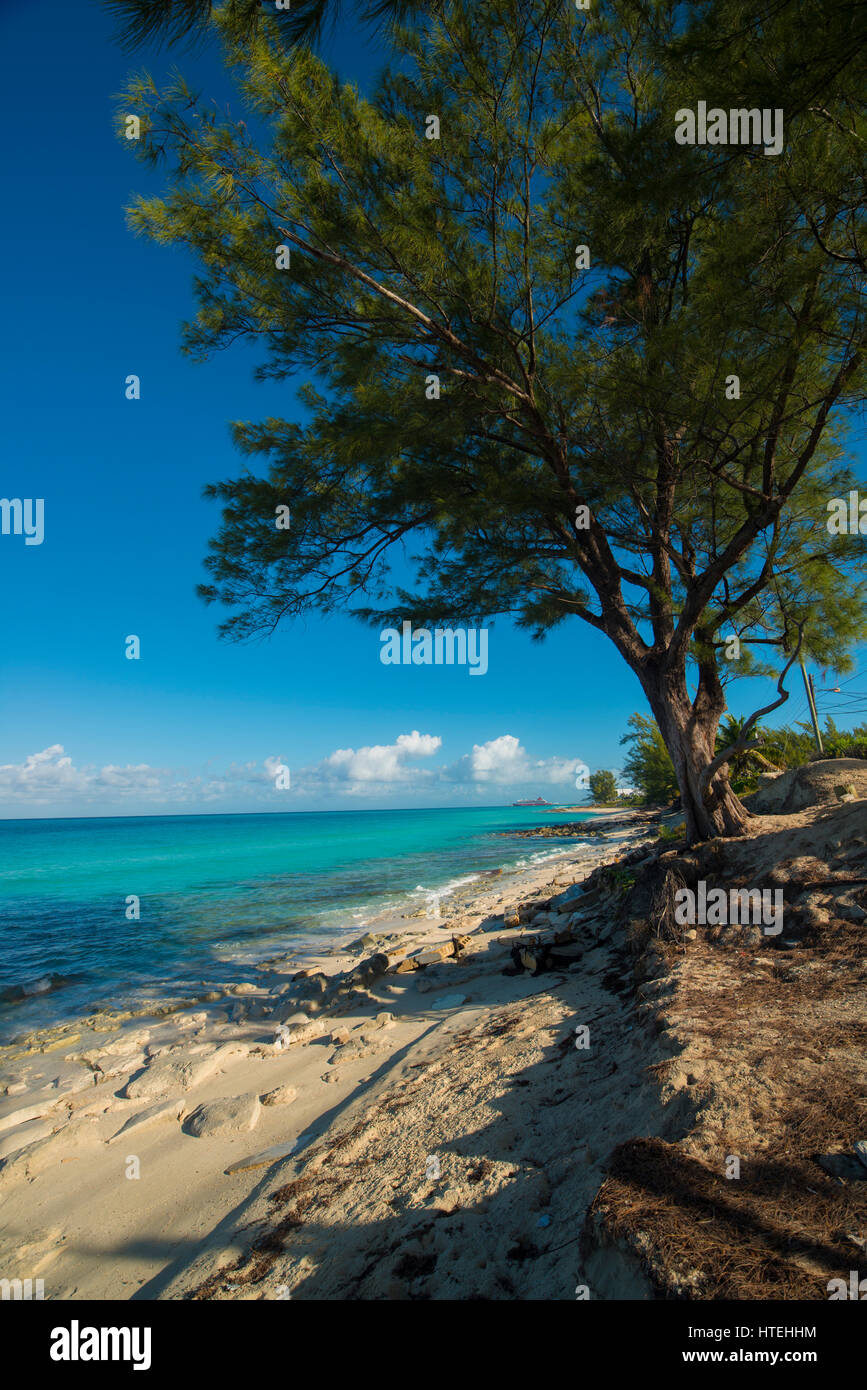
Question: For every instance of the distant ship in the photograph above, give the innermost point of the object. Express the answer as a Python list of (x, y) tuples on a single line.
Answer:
[(540, 801)]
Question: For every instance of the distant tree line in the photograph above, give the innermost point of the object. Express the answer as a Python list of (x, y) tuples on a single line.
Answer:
[(649, 770)]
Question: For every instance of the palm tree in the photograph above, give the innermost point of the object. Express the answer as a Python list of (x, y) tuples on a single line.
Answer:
[(744, 767), (171, 21)]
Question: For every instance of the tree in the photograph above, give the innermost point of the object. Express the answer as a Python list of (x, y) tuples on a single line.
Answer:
[(648, 765), (785, 54), (603, 787), (303, 21), (566, 367), (744, 766)]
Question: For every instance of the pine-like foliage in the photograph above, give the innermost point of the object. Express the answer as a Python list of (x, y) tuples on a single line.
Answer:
[(302, 21), (603, 787), (561, 387)]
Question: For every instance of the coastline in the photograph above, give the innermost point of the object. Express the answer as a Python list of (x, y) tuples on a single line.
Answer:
[(535, 1096), (70, 1114), (204, 932)]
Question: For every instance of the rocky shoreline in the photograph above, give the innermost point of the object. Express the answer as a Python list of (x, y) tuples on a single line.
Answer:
[(231, 1074), (606, 823), (535, 1096)]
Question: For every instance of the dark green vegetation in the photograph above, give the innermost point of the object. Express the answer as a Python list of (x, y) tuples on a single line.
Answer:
[(649, 768), (302, 21), (643, 434), (603, 787)]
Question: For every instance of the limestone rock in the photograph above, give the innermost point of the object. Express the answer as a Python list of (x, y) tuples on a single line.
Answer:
[(298, 1029), (163, 1110), (361, 1046), (231, 1115), (370, 969), (281, 1095), (18, 1138), (178, 1071), (405, 966), (65, 1041), (117, 1065), (24, 1114), (196, 1020), (365, 942), (522, 913), (310, 986), (431, 955), (569, 899)]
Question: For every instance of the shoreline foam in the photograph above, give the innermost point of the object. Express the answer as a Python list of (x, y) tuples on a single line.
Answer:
[(23, 1002), (62, 1179)]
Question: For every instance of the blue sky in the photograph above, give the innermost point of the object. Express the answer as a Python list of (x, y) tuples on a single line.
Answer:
[(199, 724)]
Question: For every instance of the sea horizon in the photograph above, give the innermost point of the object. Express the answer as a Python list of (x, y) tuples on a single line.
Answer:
[(109, 911), (321, 811)]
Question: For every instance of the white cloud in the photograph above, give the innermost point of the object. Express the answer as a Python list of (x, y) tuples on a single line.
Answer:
[(504, 761), (499, 760), (382, 763), (50, 775), (378, 772)]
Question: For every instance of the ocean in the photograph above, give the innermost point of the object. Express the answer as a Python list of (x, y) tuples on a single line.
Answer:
[(218, 892)]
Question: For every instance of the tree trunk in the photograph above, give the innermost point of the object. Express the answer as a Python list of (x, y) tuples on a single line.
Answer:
[(690, 736)]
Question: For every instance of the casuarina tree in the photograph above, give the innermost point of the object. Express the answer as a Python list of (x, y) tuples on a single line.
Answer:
[(559, 365), (300, 21), (603, 786)]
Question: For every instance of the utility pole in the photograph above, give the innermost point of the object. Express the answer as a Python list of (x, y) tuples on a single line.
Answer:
[(811, 701)]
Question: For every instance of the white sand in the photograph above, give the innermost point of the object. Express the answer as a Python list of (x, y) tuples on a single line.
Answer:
[(469, 1071)]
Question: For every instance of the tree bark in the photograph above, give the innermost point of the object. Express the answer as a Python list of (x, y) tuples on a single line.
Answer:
[(689, 730)]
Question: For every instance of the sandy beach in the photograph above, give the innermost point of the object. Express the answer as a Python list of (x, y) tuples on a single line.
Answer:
[(538, 1094), (134, 1149)]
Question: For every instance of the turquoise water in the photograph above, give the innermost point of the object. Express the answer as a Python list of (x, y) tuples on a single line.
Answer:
[(215, 892)]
